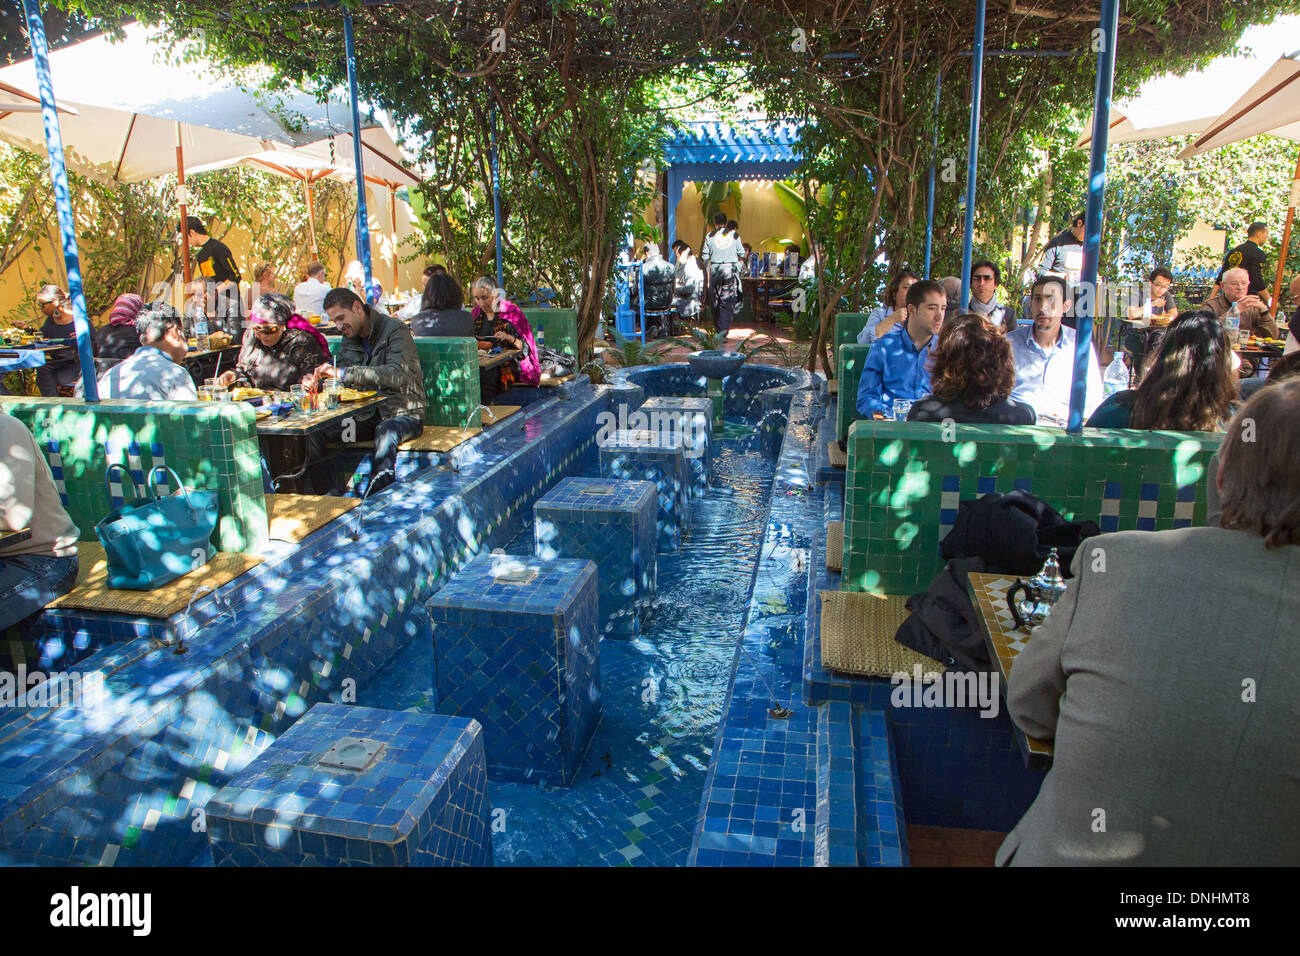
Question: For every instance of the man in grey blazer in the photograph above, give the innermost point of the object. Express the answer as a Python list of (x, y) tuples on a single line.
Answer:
[(1169, 678)]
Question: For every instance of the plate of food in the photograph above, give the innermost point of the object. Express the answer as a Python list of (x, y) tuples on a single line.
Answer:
[(246, 394), (352, 395)]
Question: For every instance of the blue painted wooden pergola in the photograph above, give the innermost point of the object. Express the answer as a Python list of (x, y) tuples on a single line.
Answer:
[(708, 152), (719, 153), (703, 152)]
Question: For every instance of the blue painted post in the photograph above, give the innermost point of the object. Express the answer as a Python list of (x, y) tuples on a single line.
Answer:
[(363, 218), (929, 198), (1092, 216), (496, 197), (62, 199), (973, 149)]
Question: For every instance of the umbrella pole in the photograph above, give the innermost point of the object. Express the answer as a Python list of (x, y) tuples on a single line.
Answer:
[(1286, 242), (185, 229), (392, 215), (311, 217), (62, 197)]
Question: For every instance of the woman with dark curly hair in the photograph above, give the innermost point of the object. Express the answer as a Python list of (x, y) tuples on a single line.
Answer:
[(1189, 386), (972, 377), (882, 319)]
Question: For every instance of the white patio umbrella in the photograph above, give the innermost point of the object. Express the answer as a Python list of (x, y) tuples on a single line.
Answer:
[(13, 100), (1271, 106), (1169, 105), (385, 165), (142, 112)]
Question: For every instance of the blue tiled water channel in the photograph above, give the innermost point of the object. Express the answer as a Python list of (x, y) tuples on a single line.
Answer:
[(637, 795)]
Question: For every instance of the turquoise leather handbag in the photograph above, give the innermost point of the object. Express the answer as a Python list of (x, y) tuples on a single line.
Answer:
[(153, 541)]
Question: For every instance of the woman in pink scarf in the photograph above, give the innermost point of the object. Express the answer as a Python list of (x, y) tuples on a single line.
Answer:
[(499, 319), (119, 339)]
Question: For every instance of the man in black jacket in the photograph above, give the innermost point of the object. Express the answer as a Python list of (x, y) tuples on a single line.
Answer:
[(377, 352), (1249, 256)]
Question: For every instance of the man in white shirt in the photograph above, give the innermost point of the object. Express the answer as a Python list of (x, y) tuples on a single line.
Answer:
[(1044, 354), (42, 566), (154, 372), (309, 296)]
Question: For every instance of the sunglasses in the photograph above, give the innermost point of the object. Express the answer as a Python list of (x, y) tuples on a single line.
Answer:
[(982, 278), (265, 328)]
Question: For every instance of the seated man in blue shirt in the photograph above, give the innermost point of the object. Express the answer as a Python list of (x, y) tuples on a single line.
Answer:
[(1044, 353), (898, 364)]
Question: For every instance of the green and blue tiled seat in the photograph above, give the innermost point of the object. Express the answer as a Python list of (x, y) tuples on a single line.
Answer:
[(905, 479), (451, 383), (847, 327), (558, 328), (851, 360), (210, 446)]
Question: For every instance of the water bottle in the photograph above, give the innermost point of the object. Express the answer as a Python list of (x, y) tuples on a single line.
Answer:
[(539, 336), (1233, 321), (1116, 377), (199, 330)]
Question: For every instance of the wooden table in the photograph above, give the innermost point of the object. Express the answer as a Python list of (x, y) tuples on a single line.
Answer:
[(299, 425), (285, 442), (13, 537), (487, 360), (1004, 641)]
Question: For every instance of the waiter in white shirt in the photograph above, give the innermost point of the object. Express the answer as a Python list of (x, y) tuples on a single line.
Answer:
[(1063, 256), (309, 296), (1044, 354)]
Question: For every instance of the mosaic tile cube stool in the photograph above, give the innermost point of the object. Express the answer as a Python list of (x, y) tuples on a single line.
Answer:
[(611, 523), (693, 418), (516, 647), (643, 455), (356, 786)]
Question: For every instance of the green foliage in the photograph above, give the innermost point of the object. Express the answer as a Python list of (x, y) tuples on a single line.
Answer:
[(629, 353), (122, 229)]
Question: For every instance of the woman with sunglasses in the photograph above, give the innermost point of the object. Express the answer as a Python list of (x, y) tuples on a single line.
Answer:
[(274, 356), (62, 367)]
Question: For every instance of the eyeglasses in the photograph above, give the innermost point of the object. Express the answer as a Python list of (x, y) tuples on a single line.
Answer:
[(982, 278)]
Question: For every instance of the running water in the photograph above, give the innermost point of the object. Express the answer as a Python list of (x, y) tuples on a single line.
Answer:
[(637, 794)]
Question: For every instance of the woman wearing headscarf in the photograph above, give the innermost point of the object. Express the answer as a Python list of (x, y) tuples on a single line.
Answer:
[(119, 339)]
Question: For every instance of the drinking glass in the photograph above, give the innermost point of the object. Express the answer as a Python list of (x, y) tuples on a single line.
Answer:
[(205, 392), (901, 407), (298, 395), (220, 393)]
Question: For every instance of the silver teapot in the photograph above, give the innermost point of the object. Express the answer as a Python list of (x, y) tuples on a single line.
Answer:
[(1042, 591)]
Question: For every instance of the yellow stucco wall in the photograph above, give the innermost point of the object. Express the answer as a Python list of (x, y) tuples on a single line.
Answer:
[(762, 218), (20, 282)]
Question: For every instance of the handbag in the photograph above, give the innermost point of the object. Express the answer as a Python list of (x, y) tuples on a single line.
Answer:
[(153, 541)]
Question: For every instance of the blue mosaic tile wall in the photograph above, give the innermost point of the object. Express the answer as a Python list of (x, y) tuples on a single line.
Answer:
[(611, 524), (522, 658), (309, 625), (760, 796), (660, 459), (740, 393), (692, 418), (421, 802)]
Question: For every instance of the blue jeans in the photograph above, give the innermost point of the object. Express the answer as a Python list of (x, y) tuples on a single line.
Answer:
[(388, 435), (28, 582)]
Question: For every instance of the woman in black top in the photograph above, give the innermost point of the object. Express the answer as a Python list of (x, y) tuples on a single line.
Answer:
[(971, 378), (62, 366), (442, 309), (273, 356)]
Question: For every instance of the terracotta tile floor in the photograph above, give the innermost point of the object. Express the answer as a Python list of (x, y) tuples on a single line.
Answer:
[(949, 846)]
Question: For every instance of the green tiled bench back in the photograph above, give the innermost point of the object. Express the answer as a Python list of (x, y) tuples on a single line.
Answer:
[(847, 327), (560, 328), (904, 482), (210, 446), (451, 384), (851, 360)]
